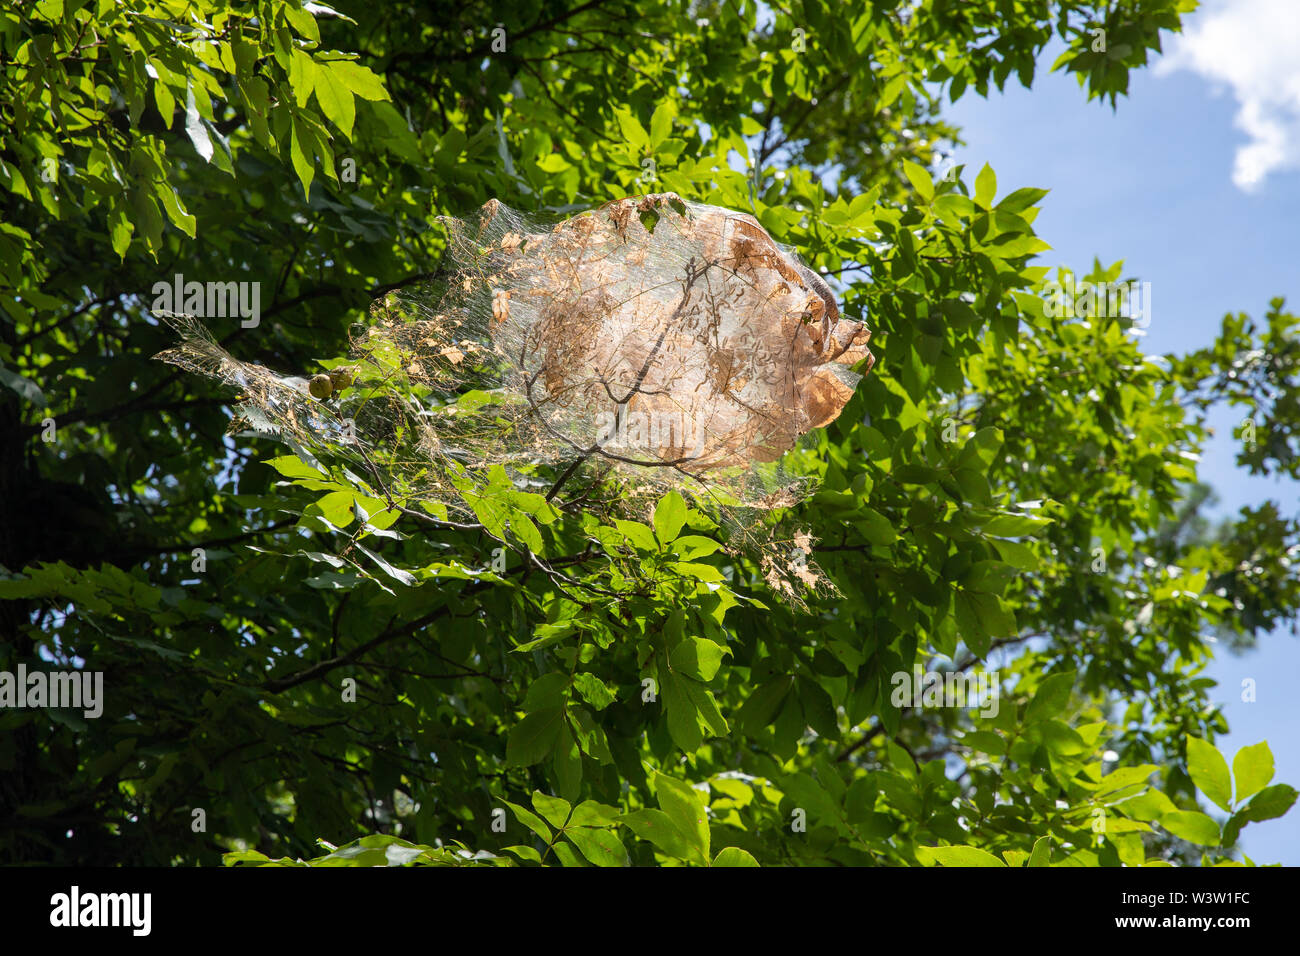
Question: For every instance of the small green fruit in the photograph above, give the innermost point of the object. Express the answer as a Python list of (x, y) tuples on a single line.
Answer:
[(343, 376), (320, 386)]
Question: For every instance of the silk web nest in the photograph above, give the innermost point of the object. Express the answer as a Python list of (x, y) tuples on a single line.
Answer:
[(649, 344)]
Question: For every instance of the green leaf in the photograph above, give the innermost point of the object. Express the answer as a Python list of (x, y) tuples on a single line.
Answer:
[(1252, 769), (957, 856), (1016, 554), (683, 807), (147, 218), (302, 165), (980, 617), (397, 574), (337, 508), (1011, 526), (553, 163), (641, 537), (527, 533), (1191, 826), (600, 846), (683, 717), (568, 763), (986, 187), (1270, 802), (991, 577), (661, 123), (546, 692), (920, 179), (593, 814), (875, 527), (1209, 771), (530, 820), (525, 853), (163, 97), (818, 708), (670, 516), (534, 737), (545, 636), (698, 658), (302, 75), (1151, 805), (734, 856), (1052, 696), (565, 854), (983, 446), (194, 128), (594, 690), (1062, 739), (1021, 199), (554, 809), (1042, 853), (359, 79), (120, 229), (491, 512), (303, 22), (706, 706), (176, 212), (1120, 783), (634, 133), (50, 10), (591, 736), (761, 706), (658, 828), (692, 546), (811, 797), (984, 740), (335, 98), (954, 207), (700, 572), (25, 387)]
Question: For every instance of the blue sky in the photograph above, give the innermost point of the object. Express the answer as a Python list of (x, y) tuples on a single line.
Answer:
[(1194, 181)]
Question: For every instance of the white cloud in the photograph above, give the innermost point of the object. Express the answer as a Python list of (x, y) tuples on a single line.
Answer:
[(1252, 46)]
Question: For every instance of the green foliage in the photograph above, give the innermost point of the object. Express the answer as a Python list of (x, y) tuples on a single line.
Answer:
[(1010, 494)]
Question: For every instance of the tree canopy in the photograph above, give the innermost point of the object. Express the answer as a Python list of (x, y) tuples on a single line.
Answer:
[(294, 670)]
